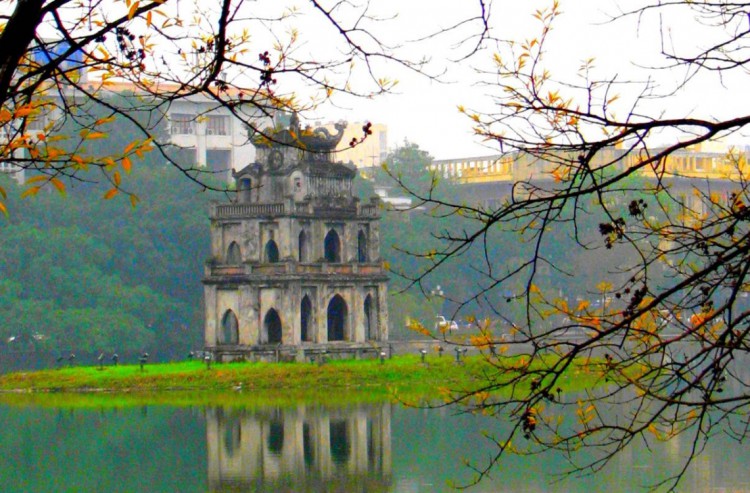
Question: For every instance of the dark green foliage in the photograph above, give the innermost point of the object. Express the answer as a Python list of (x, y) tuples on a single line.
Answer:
[(84, 274), (80, 273)]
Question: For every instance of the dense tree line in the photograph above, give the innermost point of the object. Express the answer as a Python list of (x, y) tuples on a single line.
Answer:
[(83, 274), (85, 270)]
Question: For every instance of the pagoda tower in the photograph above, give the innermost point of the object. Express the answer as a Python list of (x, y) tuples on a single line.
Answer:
[(295, 267)]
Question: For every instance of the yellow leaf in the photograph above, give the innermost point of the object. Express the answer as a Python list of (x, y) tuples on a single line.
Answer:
[(37, 178), (133, 200), (148, 19), (110, 193), (4, 209), (2, 192), (109, 163), (604, 286), (133, 9)]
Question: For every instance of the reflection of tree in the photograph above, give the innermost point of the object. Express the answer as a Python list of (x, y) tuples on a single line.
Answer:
[(300, 449)]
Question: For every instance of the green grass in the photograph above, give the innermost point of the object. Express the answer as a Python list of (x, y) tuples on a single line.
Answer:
[(403, 377)]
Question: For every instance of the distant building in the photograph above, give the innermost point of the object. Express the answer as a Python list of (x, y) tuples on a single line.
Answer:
[(712, 167), (295, 268), (710, 160), (206, 132), (210, 135)]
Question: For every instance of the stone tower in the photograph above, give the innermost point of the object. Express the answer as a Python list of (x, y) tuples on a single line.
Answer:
[(295, 264)]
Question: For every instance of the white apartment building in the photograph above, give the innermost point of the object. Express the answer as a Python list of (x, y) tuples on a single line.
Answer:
[(210, 135)]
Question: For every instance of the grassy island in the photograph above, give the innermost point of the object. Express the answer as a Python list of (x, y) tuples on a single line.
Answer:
[(405, 376)]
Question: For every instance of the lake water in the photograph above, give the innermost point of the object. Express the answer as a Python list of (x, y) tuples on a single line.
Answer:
[(301, 448)]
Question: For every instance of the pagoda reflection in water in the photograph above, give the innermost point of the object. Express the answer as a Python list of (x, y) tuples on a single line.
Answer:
[(302, 448)]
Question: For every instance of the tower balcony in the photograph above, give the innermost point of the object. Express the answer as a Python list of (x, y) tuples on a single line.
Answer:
[(297, 209), (215, 270)]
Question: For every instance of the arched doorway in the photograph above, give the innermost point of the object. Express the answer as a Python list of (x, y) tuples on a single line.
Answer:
[(305, 317), (361, 247), (272, 328), (332, 245), (337, 315), (234, 255), (229, 333), (272, 252), (304, 245), (369, 318)]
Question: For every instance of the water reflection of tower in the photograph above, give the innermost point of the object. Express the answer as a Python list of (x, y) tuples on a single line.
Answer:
[(304, 448)]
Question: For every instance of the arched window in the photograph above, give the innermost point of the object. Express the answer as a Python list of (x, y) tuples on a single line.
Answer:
[(361, 247), (332, 246), (234, 255), (369, 318), (229, 333), (304, 246), (272, 252), (271, 328), (305, 317), (337, 315)]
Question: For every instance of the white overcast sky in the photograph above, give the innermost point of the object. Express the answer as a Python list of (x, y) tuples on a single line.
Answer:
[(426, 112)]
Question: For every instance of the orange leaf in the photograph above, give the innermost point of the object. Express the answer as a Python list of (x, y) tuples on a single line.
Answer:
[(59, 185), (110, 193), (24, 110), (4, 209), (95, 135), (133, 200), (116, 177), (130, 147), (126, 164), (102, 121), (30, 191), (133, 9)]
